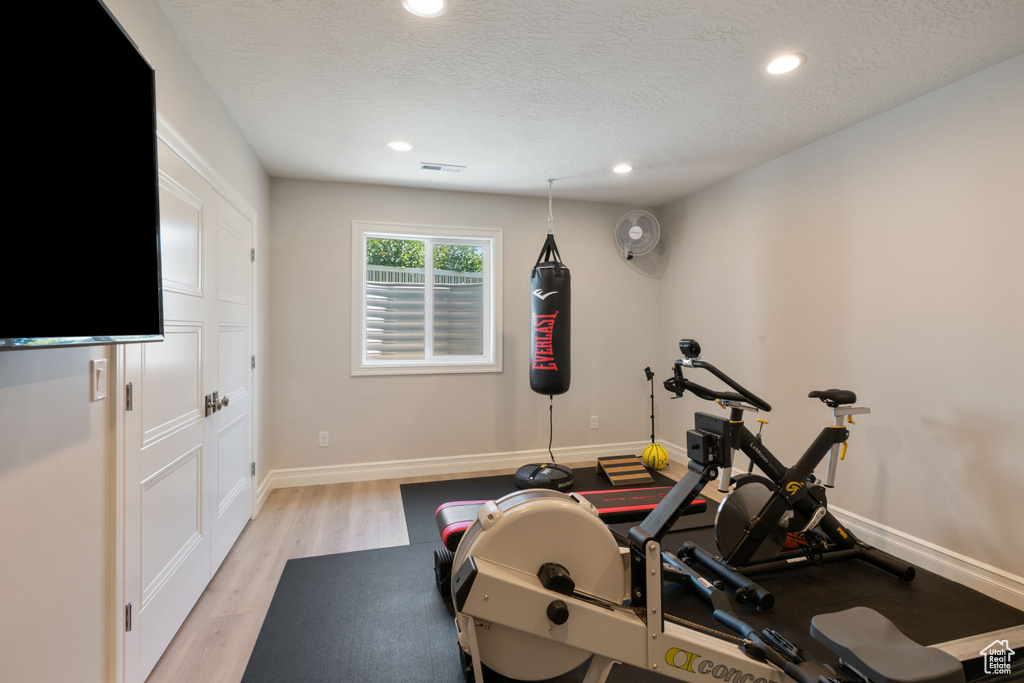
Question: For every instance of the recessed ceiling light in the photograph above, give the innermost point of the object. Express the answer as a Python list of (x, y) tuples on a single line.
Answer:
[(426, 8), (785, 63), (623, 168), (400, 146)]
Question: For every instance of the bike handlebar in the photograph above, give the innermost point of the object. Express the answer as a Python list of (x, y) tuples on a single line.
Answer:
[(679, 384)]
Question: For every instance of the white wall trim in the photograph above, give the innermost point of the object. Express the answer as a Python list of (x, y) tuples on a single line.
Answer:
[(992, 581), (120, 601), (169, 136), (457, 464)]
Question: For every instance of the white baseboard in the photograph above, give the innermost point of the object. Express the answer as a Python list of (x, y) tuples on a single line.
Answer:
[(992, 581), (457, 464)]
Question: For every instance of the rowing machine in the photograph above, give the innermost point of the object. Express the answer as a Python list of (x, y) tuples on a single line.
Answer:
[(616, 506)]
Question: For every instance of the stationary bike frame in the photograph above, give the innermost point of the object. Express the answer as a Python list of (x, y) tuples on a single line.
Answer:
[(793, 488)]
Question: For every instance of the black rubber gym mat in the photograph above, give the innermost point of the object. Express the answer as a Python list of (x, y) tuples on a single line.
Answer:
[(376, 615), (421, 501), (372, 615)]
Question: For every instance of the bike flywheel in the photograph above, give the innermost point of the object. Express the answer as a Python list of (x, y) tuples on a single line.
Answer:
[(738, 510)]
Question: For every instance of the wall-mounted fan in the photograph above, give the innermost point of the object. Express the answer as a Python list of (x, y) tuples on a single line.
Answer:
[(637, 233)]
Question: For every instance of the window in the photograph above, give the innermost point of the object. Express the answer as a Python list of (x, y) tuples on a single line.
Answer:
[(425, 299)]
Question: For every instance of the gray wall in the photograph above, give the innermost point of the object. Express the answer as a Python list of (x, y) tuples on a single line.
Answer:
[(378, 419), (884, 259)]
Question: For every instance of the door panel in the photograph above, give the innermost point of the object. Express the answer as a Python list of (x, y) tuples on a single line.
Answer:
[(175, 367), (174, 553), (232, 260), (181, 236), (171, 519), (232, 512), (231, 447), (173, 544), (175, 556), (233, 361), (234, 373)]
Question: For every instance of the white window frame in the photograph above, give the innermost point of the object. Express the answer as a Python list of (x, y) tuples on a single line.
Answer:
[(489, 361)]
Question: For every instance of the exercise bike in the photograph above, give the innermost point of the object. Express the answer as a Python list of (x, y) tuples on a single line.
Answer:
[(540, 586), (779, 520)]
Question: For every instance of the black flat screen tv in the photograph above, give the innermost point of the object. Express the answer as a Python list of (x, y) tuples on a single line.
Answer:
[(81, 265)]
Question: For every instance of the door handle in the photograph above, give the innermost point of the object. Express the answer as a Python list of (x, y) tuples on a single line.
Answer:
[(215, 403), (212, 404)]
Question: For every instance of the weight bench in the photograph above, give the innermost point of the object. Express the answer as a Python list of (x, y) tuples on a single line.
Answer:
[(614, 507)]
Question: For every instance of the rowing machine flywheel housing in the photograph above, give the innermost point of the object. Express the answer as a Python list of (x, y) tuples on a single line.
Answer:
[(524, 531)]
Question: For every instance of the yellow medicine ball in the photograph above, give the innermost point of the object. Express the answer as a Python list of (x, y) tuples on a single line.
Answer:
[(655, 456)]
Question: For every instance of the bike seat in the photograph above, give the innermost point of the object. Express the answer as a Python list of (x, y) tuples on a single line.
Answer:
[(834, 397), (872, 645)]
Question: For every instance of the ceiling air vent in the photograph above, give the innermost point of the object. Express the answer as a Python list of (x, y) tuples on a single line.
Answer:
[(451, 168)]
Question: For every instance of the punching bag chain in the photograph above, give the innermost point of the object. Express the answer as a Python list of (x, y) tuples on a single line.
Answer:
[(551, 217)]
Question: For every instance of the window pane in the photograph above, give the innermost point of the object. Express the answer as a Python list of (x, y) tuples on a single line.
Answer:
[(395, 294), (458, 300), (425, 299)]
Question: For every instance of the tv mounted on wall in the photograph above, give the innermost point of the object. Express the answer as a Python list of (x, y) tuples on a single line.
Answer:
[(81, 265)]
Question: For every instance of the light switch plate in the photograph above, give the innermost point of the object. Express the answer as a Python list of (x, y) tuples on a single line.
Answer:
[(98, 379)]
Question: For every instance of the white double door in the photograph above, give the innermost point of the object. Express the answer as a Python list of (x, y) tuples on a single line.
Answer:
[(187, 478)]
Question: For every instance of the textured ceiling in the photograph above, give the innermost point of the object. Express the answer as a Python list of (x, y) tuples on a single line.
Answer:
[(519, 91)]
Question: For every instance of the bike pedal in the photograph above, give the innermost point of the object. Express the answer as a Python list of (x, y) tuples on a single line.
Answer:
[(794, 541)]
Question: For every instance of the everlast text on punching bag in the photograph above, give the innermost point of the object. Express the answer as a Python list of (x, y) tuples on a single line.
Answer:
[(550, 317)]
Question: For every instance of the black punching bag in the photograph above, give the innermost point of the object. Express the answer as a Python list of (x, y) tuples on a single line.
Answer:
[(549, 319), (549, 355)]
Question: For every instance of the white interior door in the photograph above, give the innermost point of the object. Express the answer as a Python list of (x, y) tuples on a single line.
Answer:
[(230, 428), (187, 468)]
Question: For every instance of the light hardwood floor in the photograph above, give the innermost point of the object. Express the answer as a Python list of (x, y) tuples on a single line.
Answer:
[(214, 643)]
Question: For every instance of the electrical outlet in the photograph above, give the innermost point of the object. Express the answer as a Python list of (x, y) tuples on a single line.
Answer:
[(323, 439), (593, 421)]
